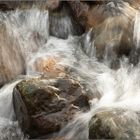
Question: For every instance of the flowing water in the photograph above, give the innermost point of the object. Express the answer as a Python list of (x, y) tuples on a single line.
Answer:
[(27, 33)]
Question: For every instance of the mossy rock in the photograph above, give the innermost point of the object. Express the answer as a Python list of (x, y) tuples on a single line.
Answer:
[(47, 105)]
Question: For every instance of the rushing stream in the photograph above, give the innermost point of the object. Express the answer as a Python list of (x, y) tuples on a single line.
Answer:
[(28, 46)]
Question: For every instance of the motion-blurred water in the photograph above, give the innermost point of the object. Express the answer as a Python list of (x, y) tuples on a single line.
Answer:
[(27, 46)]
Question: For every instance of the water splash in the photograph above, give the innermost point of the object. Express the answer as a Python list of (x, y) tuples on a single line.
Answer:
[(9, 128)]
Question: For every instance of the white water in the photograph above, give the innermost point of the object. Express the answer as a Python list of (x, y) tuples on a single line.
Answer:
[(9, 128), (137, 29), (116, 88)]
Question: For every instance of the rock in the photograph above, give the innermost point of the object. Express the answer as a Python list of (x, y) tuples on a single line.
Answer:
[(92, 13), (12, 62), (88, 14), (114, 124), (49, 66), (21, 111), (110, 40), (134, 56), (79, 10), (62, 18), (46, 106), (53, 4), (13, 5)]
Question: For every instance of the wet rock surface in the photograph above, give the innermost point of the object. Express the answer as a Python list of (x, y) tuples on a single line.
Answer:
[(110, 40), (88, 17), (92, 13), (62, 18), (20, 4), (46, 106), (12, 62), (114, 124)]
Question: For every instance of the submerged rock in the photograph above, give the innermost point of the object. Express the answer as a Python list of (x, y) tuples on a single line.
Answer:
[(114, 124), (45, 106)]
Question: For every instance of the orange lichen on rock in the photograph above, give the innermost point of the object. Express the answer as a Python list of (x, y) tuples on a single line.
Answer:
[(50, 66)]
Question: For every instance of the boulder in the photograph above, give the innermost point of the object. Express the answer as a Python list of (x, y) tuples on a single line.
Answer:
[(114, 124), (110, 40), (89, 13), (44, 107)]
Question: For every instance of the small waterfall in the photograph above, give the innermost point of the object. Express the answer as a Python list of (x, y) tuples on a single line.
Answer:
[(137, 29), (22, 33), (9, 128)]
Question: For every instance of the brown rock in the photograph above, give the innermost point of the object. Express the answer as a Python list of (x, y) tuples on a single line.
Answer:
[(49, 66), (11, 59), (114, 124), (92, 13), (89, 14), (53, 4), (111, 40), (50, 104), (20, 4), (62, 23)]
